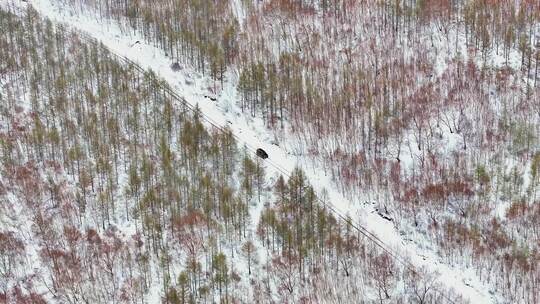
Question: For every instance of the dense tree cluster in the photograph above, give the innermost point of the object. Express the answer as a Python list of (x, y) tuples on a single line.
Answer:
[(93, 149), (424, 103), (202, 33)]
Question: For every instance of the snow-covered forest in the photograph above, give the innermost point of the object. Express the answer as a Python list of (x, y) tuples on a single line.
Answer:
[(403, 141)]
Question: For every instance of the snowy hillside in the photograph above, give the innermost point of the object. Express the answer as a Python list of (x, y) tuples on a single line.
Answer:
[(417, 256)]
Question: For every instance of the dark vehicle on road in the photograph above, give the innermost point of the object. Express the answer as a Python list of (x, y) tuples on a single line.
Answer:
[(262, 154)]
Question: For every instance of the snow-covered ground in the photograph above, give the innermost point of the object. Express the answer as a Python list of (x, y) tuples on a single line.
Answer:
[(253, 133)]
